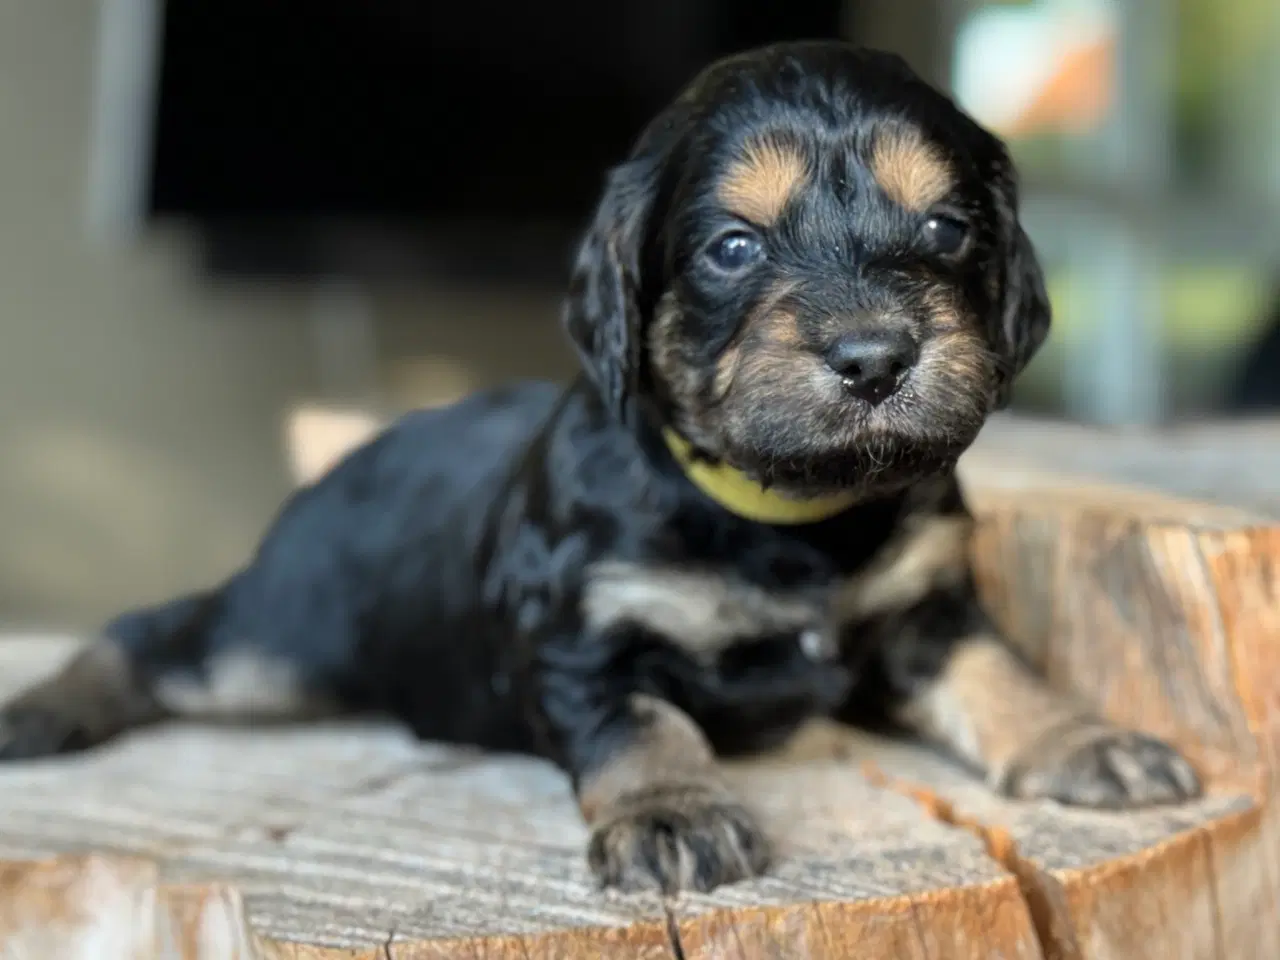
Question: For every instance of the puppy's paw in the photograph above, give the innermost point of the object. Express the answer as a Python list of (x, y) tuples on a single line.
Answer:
[(1103, 767), (30, 731), (677, 837)]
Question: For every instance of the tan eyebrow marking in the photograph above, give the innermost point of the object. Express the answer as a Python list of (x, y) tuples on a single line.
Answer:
[(759, 184), (909, 169)]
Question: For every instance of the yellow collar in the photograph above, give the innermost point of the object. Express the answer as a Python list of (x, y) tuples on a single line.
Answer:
[(738, 493)]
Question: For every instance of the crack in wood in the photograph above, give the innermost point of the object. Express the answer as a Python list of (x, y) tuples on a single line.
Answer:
[(1211, 887), (1041, 894), (822, 929), (673, 931)]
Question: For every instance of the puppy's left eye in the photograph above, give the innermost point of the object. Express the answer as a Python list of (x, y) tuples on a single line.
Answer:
[(946, 236), (734, 251)]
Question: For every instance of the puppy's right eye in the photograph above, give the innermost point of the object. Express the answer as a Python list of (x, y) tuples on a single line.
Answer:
[(735, 251)]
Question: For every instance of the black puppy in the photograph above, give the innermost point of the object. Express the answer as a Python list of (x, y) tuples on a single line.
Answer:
[(799, 300)]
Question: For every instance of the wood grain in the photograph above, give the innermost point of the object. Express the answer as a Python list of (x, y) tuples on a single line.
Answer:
[(342, 835), (347, 841)]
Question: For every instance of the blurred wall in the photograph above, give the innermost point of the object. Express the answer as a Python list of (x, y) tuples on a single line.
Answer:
[(141, 411)]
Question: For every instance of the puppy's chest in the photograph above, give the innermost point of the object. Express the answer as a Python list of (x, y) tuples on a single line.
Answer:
[(777, 588), (754, 641), (704, 610)]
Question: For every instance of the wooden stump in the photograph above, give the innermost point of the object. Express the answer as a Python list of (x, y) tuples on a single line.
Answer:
[(352, 841)]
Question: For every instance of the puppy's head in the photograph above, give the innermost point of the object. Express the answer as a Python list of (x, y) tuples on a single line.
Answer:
[(811, 267)]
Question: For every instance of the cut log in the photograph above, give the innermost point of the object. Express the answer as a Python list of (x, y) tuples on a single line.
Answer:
[(347, 835), (340, 841), (1234, 462)]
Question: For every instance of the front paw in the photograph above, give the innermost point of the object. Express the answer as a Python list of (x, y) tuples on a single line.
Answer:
[(31, 731), (677, 837), (1102, 767)]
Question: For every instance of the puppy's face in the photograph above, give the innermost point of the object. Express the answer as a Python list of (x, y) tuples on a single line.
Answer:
[(812, 268)]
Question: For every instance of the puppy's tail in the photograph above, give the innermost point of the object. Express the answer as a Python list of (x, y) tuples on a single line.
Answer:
[(175, 634)]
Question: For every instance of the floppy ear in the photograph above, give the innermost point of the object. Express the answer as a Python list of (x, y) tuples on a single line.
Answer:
[(602, 314), (1023, 314)]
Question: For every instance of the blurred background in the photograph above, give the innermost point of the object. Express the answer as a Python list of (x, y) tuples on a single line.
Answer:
[(216, 214)]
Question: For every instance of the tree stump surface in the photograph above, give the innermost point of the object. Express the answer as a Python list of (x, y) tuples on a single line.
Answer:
[(351, 840)]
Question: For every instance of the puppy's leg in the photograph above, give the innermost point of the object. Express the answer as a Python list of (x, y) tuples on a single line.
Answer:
[(659, 811), (647, 784), (177, 659), (91, 699), (958, 684)]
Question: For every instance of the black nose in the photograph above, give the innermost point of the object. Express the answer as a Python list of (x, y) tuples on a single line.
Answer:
[(872, 364)]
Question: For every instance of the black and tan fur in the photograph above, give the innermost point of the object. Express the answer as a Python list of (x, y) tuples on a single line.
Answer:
[(531, 569)]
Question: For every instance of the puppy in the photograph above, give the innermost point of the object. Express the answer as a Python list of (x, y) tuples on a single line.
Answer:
[(799, 299)]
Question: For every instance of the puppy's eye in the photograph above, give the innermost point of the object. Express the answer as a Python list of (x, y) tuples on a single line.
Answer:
[(946, 235), (734, 251)]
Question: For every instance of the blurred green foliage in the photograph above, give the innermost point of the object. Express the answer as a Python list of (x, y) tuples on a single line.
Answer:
[(1219, 46), (1223, 85), (1221, 50)]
